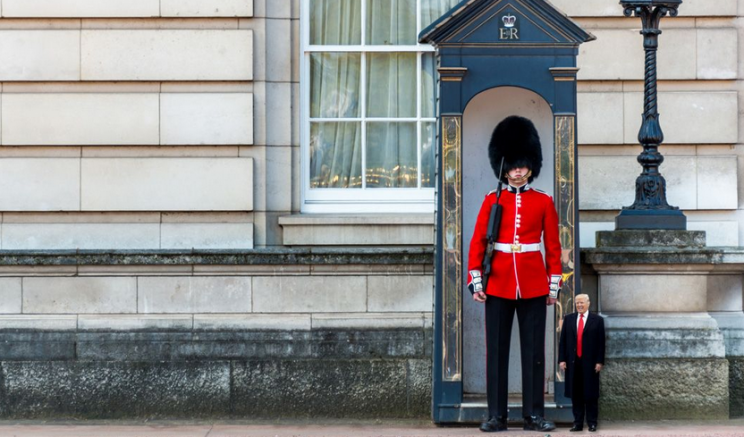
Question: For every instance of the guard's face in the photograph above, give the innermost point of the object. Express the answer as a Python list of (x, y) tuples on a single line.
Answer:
[(518, 173), (582, 304)]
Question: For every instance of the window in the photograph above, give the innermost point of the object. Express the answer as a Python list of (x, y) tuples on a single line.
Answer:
[(369, 109)]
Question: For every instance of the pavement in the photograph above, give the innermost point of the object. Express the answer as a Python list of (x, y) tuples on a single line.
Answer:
[(727, 428)]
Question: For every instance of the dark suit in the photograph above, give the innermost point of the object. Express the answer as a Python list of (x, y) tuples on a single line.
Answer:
[(582, 381)]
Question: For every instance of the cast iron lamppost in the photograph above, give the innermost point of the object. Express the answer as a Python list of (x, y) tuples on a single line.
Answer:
[(650, 209)]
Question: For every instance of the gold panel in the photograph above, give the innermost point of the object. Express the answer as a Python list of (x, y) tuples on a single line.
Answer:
[(565, 200), (451, 191)]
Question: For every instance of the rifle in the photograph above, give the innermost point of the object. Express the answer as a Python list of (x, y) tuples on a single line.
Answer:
[(492, 232)]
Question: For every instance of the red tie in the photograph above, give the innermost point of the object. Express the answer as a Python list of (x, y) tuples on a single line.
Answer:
[(581, 334)]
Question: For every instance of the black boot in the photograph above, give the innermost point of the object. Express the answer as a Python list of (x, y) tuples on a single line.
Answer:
[(538, 423), (494, 424)]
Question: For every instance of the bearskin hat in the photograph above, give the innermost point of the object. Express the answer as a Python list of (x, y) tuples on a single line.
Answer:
[(516, 140)]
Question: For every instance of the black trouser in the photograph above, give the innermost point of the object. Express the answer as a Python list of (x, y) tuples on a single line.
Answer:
[(580, 403), (531, 318)]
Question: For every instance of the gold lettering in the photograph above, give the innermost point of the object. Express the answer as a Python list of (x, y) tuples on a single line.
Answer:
[(502, 33), (514, 34)]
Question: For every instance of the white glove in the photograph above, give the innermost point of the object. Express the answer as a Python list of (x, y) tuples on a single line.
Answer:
[(555, 286), (476, 282)]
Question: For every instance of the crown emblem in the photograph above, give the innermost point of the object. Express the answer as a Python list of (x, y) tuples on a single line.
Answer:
[(509, 20)]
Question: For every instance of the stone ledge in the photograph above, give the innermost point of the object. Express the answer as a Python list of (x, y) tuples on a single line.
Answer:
[(663, 255), (358, 230), (268, 256)]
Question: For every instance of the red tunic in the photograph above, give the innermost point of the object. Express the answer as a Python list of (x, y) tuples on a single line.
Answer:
[(527, 216)]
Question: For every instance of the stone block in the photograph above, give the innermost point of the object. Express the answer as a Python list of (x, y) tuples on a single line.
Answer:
[(618, 54), (368, 320), (39, 55), (320, 388), (661, 389), (278, 59), (54, 236), (607, 182), (79, 8), (588, 232), (167, 184), (598, 122), (207, 8), (79, 119), (278, 113), (611, 8), (615, 55), (651, 238), (208, 294), (677, 171), (10, 296), (671, 293), (252, 322), (370, 229), (717, 181), (309, 294), (279, 179), (79, 295), (718, 55), (736, 388), (688, 117), (26, 342), (400, 293), (717, 234), (202, 54), (207, 236), (38, 323), (705, 8), (39, 184), (107, 390), (206, 118), (724, 293), (279, 9), (677, 56), (135, 322), (663, 336)]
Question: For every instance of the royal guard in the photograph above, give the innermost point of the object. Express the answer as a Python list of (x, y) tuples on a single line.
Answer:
[(519, 279)]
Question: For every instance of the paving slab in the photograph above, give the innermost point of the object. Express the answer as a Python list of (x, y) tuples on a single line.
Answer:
[(313, 428)]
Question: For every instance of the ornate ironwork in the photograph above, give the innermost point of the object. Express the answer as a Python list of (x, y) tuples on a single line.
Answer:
[(650, 185)]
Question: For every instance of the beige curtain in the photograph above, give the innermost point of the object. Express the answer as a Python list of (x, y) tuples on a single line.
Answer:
[(391, 152)]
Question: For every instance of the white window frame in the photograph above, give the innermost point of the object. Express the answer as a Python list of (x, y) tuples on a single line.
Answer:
[(355, 200)]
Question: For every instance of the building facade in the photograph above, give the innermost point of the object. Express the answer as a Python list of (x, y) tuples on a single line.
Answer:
[(225, 208)]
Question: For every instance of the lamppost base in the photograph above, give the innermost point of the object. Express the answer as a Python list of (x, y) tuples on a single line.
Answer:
[(670, 219)]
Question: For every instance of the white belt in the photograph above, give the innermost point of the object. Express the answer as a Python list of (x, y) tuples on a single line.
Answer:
[(517, 248)]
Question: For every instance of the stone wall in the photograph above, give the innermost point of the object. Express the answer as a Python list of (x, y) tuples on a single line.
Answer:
[(146, 124), (185, 334)]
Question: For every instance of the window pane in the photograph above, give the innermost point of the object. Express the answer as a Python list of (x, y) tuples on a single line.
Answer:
[(433, 9), (334, 85), (428, 146), (335, 22), (391, 22), (391, 85), (428, 77), (391, 155), (335, 155)]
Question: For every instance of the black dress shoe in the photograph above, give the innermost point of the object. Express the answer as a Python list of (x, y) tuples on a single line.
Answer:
[(538, 423), (593, 428), (494, 424), (576, 428)]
